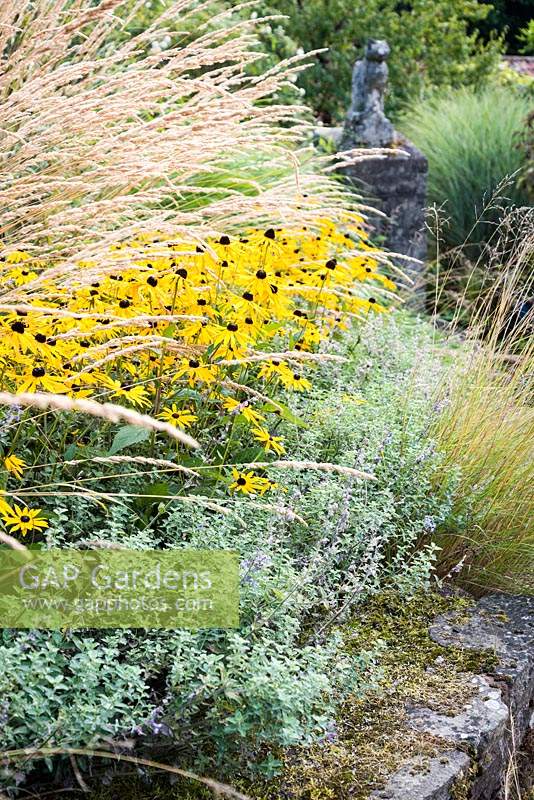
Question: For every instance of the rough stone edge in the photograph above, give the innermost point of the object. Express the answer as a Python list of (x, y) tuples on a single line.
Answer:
[(431, 778), (483, 730)]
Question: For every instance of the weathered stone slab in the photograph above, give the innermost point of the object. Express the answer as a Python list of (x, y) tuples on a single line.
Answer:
[(492, 723), (426, 778), (482, 728), (506, 625)]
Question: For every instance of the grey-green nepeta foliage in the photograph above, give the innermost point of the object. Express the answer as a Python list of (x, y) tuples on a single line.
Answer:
[(223, 696)]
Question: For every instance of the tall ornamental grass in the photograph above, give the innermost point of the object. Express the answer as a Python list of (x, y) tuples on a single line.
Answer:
[(102, 134), (485, 427), (471, 138)]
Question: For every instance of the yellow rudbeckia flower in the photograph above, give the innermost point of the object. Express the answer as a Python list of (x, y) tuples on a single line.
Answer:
[(270, 443), (180, 417), (14, 465), (248, 483), (24, 519)]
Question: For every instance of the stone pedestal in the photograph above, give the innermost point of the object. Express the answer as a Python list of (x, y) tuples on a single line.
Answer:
[(396, 185)]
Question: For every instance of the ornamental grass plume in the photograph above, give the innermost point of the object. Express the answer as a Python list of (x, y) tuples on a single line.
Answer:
[(102, 138), (320, 466), (108, 412), (11, 542), (160, 463)]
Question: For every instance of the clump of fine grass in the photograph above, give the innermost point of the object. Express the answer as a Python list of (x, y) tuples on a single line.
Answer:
[(461, 287), (471, 137), (485, 427)]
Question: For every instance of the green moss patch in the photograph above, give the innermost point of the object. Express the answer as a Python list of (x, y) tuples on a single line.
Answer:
[(372, 739)]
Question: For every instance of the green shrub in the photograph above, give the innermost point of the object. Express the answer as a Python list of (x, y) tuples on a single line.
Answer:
[(471, 139), (431, 42), (526, 37)]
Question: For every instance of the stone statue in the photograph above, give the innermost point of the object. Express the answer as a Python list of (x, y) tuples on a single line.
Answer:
[(366, 123)]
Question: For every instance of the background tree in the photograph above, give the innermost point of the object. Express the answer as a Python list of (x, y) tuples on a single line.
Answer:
[(434, 43), (510, 17)]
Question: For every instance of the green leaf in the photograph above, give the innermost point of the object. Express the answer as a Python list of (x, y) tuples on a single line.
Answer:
[(70, 452), (126, 436), (285, 412), (272, 327), (84, 452), (190, 394), (152, 492), (191, 461), (157, 489), (249, 454), (169, 331)]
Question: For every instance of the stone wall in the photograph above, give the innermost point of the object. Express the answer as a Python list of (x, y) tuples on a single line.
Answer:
[(482, 743)]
